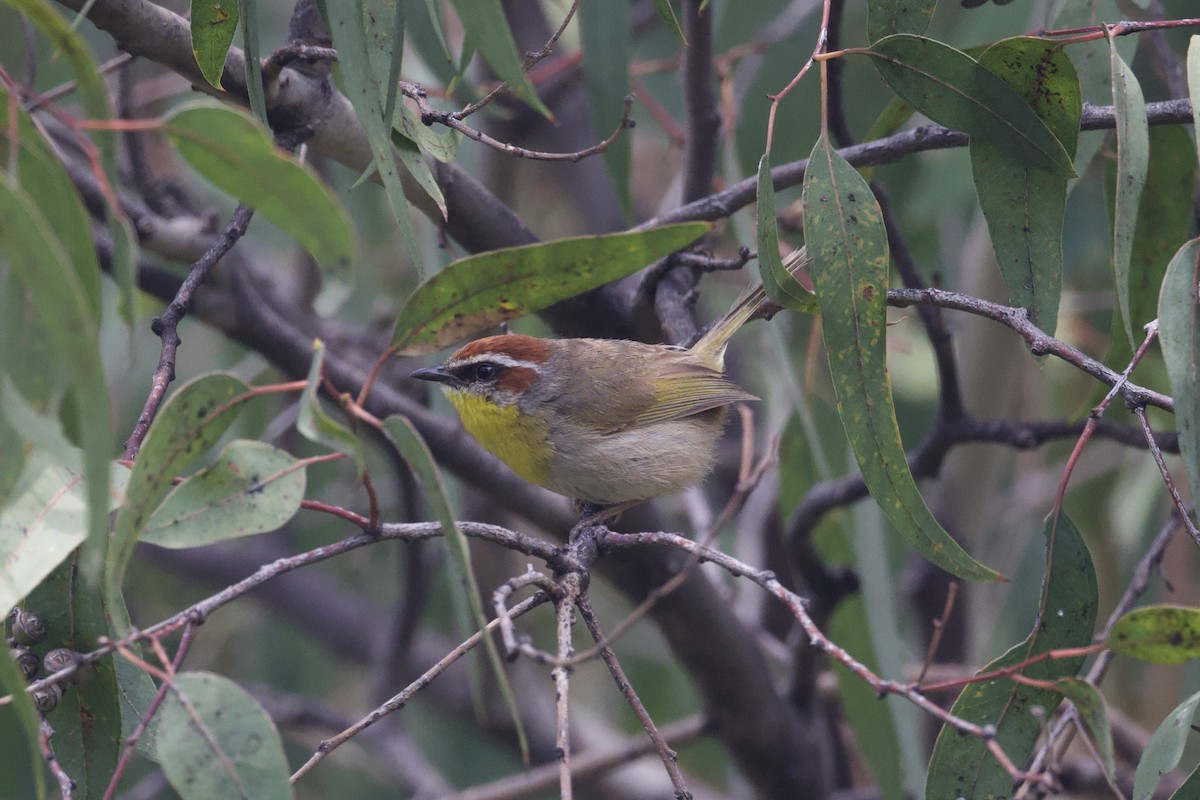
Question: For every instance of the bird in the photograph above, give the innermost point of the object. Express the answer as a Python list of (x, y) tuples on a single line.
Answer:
[(602, 421)]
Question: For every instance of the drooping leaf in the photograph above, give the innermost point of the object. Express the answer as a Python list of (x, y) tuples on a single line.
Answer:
[(1091, 60), (408, 442), (214, 23), (1164, 219), (30, 246), (215, 740), (315, 423), (248, 10), (368, 94), (488, 29), (779, 285), (961, 766), (230, 149), (253, 487), (41, 174), (188, 424), (93, 96), (1165, 749), (955, 90), (846, 239), (477, 292), (1193, 77), (1090, 704), (1179, 334), (1024, 204), (1133, 161), (604, 35), (885, 17), (667, 14), (1162, 634)]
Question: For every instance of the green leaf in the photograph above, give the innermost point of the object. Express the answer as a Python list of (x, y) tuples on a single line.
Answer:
[(961, 766), (41, 175), (1163, 752), (487, 27), (214, 23), (1163, 634), (1024, 204), (252, 488), (604, 35), (777, 282), (885, 17), (250, 48), (1090, 704), (1133, 161), (667, 14), (404, 437), (1190, 788), (31, 247), (41, 527), (955, 90), (367, 93), (1193, 77), (477, 292), (316, 425), (87, 722), (1091, 61), (188, 424), (215, 740), (846, 239), (93, 96), (1179, 334), (233, 151)]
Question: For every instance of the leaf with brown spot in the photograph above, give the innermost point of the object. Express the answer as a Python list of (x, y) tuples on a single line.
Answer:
[(481, 291)]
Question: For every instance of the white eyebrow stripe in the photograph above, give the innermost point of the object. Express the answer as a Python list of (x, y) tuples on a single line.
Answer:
[(500, 359)]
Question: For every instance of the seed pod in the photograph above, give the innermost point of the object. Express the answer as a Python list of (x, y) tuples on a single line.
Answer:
[(27, 661), (47, 699), (60, 658), (28, 628)]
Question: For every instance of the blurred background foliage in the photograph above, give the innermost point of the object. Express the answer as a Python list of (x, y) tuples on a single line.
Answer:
[(312, 646)]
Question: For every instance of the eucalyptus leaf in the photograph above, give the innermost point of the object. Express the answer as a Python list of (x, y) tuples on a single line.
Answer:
[(214, 23), (848, 245), (955, 90), (1024, 204), (1159, 634), (478, 292), (961, 766), (1179, 334), (215, 740), (1133, 162), (1165, 749), (188, 424), (251, 488), (230, 149)]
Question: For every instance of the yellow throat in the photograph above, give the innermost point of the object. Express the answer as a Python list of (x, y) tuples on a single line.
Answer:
[(518, 439)]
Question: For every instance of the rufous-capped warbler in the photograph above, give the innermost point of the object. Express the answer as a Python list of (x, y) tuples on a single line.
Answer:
[(601, 420)]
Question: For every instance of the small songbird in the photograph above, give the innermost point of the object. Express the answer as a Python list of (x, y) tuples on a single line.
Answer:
[(604, 421)]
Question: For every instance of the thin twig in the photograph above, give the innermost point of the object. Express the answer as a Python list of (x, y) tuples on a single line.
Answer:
[(1172, 489), (166, 326), (665, 753), (397, 702), (430, 115)]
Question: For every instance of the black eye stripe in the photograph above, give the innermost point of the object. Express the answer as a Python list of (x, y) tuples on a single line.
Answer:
[(479, 372)]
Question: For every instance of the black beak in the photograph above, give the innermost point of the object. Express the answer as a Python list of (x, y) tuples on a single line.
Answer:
[(436, 374)]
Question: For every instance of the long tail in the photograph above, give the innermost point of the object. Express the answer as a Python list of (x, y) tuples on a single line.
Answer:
[(751, 305)]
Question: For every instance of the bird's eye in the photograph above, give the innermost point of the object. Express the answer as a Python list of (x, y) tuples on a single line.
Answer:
[(485, 371)]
